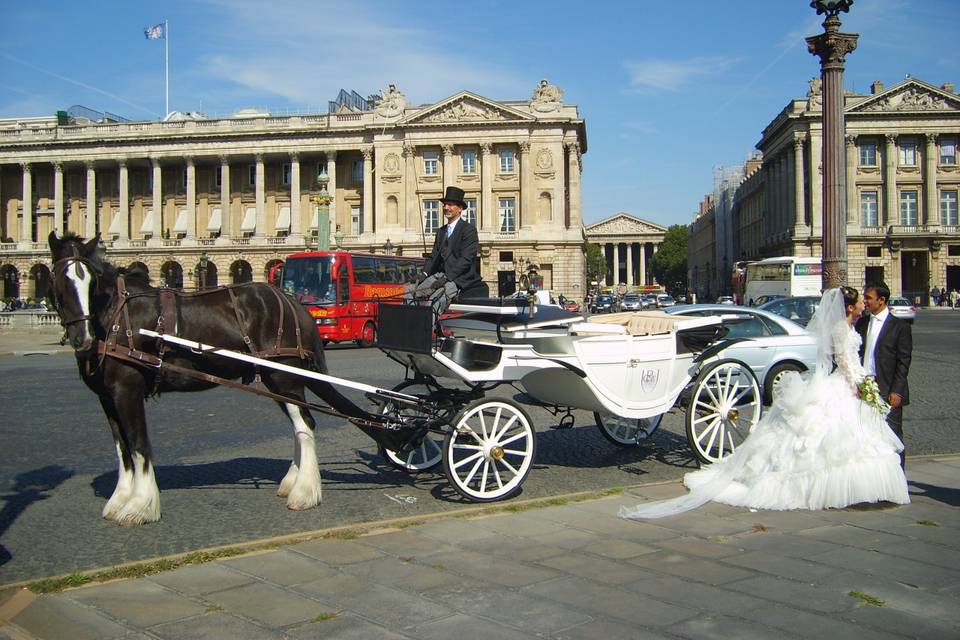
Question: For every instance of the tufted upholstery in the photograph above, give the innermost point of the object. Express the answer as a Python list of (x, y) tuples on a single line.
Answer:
[(640, 323)]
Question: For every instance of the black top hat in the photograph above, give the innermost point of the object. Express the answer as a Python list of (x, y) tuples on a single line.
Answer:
[(454, 195)]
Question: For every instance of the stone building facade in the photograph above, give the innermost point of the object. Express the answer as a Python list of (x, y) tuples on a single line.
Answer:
[(902, 185), (702, 271), (628, 243), (240, 192)]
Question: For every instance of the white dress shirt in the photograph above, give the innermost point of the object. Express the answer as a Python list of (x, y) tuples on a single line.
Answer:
[(873, 330), (451, 225)]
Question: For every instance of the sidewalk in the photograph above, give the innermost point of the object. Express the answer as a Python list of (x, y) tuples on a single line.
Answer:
[(565, 571), (22, 342)]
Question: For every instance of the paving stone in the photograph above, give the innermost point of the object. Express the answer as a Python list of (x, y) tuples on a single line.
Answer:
[(654, 492), (214, 625), (270, 605), (851, 536), (140, 602), (522, 609), (336, 552), (457, 531), (499, 569), (618, 549), (777, 565), (895, 595), (568, 538), (812, 625), (394, 608), (696, 524), (682, 566), (785, 544), (599, 569), (779, 521), (604, 506), (876, 519), (408, 542), (199, 579), (919, 574), (924, 552), (345, 626), (596, 599), (283, 567), (802, 595), (695, 596), (464, 627), (718, 627), (904, 624), (518, 525), (596, 629), (56, 616), (411, 576), (699, 547)]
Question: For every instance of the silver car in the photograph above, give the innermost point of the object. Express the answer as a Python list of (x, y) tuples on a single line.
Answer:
[(631, 303), (775, 344), (901, 308)]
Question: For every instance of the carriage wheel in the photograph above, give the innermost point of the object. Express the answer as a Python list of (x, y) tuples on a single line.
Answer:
[(490, 450), (368, 335), (724, 406), (430, 452), (626, 432)]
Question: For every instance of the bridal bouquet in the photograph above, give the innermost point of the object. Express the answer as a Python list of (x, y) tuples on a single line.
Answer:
[(869, 393)]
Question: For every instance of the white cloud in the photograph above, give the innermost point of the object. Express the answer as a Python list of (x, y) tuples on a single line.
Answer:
[(654, 75)]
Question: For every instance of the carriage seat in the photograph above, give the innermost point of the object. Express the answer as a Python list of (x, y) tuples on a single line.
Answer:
[(635, 323)]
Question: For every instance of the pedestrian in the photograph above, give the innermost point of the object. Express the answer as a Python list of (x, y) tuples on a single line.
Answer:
[(943, 296), (935, 295), (451, 269), (886, 350), (954, 299)]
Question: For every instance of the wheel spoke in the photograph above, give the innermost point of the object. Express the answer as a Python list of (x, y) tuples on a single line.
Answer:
[(509, 466), (466, 481), (706, 387), (713, 436), (512, 438), (506, 427), (483, 425), (706, 417), (709, 429), (468, 460), (722, 430), (515, 452), (468, 447), (483, 476), (740, 395), (496, 474)]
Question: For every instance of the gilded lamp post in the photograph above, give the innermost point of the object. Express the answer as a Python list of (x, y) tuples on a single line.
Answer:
[(322, 202), (832, 47)]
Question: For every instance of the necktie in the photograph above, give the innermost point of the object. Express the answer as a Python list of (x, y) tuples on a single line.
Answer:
[(449, 231)]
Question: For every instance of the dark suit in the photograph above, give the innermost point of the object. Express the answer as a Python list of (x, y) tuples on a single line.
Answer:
[(456, 257), (892, 353)]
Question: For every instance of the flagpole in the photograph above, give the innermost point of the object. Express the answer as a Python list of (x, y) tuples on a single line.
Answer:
[(166, 65)]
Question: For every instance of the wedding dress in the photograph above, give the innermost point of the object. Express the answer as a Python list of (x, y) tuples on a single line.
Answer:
[(818, 446)]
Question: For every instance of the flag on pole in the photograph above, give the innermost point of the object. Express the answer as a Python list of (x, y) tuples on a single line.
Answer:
[(156, 32)]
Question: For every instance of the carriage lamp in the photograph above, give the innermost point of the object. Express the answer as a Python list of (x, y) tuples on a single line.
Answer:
[(831, 7)]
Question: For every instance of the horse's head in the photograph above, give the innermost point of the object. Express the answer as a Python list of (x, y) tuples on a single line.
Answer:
[(75, 268)]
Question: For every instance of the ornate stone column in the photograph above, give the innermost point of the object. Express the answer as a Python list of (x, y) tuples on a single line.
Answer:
[(157, 189), (527, 214), (643, 263), (191, 197), (123, 232), (26, 222), (616, 263), (832, 47), (58, 197), (932, 213), (90, 225), (296, 227), (851, 181), (446, 150), (488, 213), (332, 188), (225, 217), (260, 192), (630, 279), (573, 180), (890, 180), (368, 213), (816, 187), (411, 218), (799, 202)]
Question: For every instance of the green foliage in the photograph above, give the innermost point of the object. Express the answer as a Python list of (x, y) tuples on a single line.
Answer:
[(596, 263), (669, 263)]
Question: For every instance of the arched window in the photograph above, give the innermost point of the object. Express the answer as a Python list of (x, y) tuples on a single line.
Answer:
[(240, 272), (11, 281), (393, 210), (171, 275), (42, 281), (545, 207)]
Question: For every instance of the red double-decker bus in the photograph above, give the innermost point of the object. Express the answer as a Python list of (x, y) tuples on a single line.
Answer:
[(341, 290)]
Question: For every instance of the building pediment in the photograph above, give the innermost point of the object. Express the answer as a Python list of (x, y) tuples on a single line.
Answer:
[(623, 224), (910, 95), (466, 107)]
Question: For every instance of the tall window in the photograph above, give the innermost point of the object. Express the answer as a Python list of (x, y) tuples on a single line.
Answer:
[(868, 153), (869, 211), (908, 208), (431, 215), (908, 153), (252, 175), (357, 172), (508, 215), (184, 178), (470, 213), (356, 220), (948, 151), (948, 207), (218, 177), (431, 163), (506, 160), (287, 171), (468, 162)]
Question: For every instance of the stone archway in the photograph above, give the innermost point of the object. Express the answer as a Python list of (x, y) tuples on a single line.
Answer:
[(42, 281), (10, 278), (171, 274), (240, 272), (272, 266), (136, 265)]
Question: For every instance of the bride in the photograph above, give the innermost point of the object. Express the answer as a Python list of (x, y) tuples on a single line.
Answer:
[(819, 445)]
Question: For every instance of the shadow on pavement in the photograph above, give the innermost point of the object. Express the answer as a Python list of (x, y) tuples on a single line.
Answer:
[(946, 495), (29, 487)]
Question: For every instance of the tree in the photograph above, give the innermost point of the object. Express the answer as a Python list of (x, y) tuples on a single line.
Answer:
[(596, 264), (669, 264)]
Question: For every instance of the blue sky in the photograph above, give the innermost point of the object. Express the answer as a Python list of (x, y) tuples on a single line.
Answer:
[(668, 90)]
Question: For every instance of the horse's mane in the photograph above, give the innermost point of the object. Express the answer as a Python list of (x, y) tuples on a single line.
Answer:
[(106, 269)]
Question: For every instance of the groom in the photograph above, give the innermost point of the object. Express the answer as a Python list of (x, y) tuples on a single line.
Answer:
[(886, 349)]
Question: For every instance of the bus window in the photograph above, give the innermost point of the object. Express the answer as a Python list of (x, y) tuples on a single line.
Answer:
[(343, 285), (364, 270)]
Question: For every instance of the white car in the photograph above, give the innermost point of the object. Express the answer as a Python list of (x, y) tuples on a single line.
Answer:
[(774, 345), (901, 308), (663, 300)]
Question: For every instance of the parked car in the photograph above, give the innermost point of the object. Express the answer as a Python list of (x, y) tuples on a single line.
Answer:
[(571, 305), (631, 302), (775, 346), (726, 300), (761, 300), (603, 303), (663, 300), (901, 308), (649, 301), (797, 308)]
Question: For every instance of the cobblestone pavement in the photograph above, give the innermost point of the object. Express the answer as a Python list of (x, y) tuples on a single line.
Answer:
[(220, 455), (560, 572)]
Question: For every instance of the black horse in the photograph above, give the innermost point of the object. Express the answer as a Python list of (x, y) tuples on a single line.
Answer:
[(103, 307)]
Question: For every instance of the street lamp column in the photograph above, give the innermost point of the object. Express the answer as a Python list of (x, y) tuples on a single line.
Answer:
[(832, 47)]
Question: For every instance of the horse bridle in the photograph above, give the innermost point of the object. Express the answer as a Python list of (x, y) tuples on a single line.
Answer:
[(65, 263)]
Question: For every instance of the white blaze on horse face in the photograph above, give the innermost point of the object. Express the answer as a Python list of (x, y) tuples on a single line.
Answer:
[(82, 279), (306, 491)]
